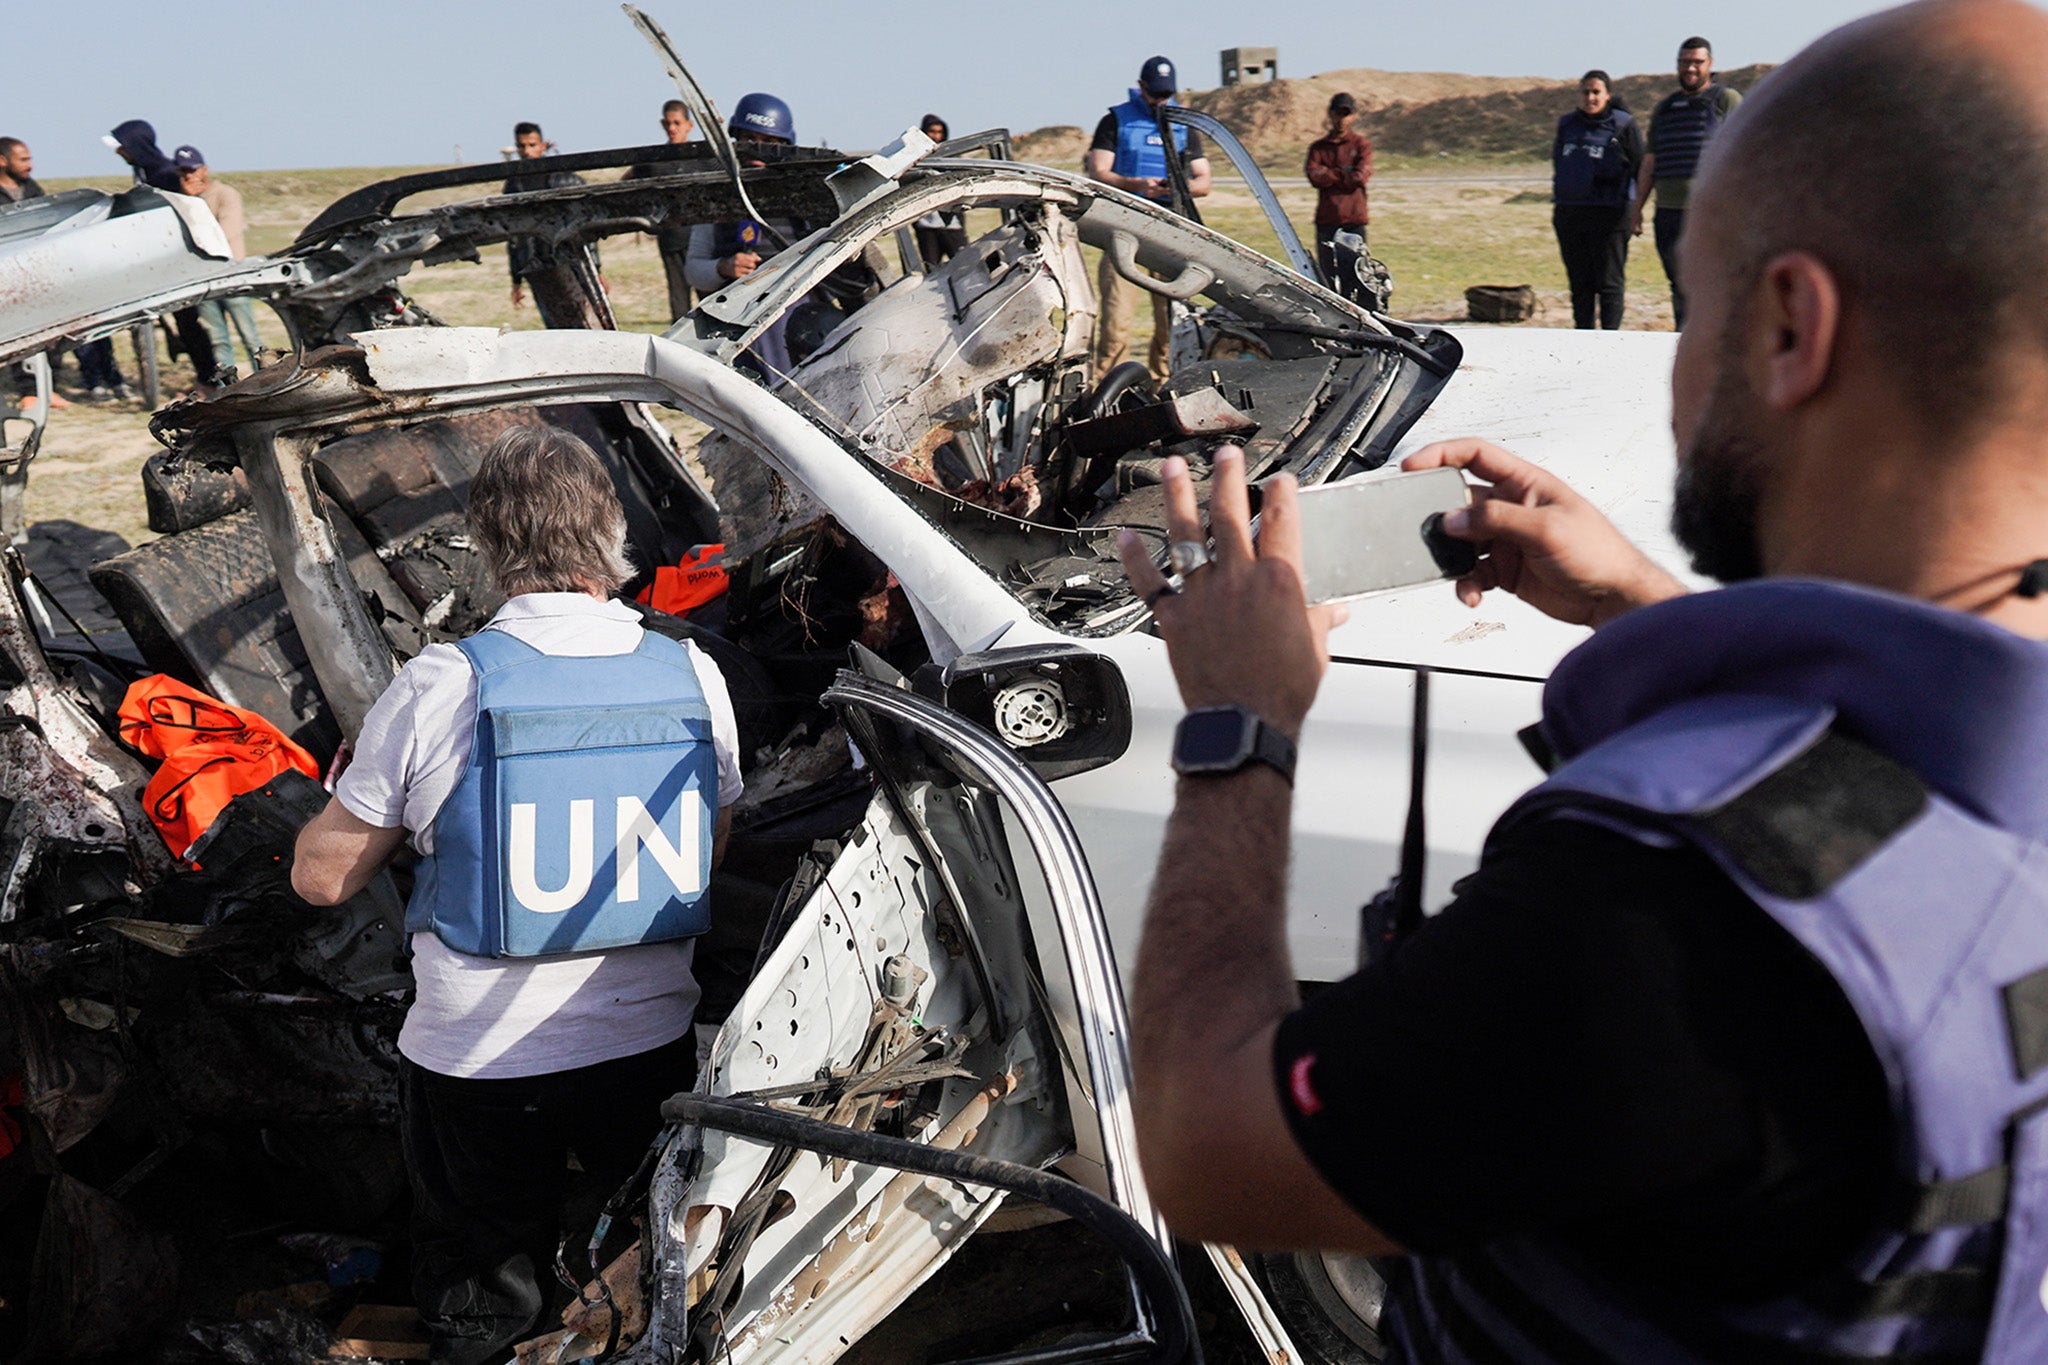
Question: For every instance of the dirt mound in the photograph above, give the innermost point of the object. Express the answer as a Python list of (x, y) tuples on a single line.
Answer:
[(1060, 145), (1516, 123), (1280, 118)]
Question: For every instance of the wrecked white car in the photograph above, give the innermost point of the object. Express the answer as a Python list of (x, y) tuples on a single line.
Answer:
[(955, 716)]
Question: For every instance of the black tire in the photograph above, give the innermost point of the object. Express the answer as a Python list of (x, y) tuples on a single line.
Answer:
[(1330, 1304)]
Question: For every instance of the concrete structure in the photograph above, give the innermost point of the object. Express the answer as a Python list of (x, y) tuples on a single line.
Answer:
[(1248, 65)]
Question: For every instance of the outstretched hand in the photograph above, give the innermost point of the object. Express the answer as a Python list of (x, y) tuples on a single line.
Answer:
[(1542, 541), (1239, 631)]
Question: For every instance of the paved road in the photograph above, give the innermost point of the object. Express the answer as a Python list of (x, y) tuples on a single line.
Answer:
[(1381, 178)]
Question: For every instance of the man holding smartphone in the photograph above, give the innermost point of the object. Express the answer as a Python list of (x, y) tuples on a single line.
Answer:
[(1735, 1047)]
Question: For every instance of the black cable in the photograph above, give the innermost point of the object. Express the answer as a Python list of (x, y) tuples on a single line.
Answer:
[(601, 1229), (1360, 337), (1176, 168), (1414, 842), (1152, 1269)]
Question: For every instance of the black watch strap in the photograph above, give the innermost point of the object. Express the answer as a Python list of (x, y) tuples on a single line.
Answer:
[(1215, 741)]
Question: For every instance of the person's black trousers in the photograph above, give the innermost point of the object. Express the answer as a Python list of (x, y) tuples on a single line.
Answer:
[(939, 244), (487, 1160), (1667, 225), (681, 298), (96, 367), (1594, 242), (1326, 257)]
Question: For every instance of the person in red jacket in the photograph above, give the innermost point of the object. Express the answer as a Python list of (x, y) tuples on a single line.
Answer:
[(1339, 164)]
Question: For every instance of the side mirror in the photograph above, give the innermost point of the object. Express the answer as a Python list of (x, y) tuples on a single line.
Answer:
[(1060, 708)]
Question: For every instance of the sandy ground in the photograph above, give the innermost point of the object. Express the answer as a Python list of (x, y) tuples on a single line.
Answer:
[(1438, 229)]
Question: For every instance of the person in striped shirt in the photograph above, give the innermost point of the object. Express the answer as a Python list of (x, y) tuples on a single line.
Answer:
[(1681, 126)]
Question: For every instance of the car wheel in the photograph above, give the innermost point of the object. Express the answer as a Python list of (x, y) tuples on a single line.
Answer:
[(1329, 1302)]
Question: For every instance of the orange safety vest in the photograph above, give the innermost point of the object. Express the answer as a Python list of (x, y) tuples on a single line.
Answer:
[(211, 753), (681, 588)]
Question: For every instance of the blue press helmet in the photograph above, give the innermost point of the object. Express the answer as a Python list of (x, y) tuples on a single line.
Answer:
[(764, 115)]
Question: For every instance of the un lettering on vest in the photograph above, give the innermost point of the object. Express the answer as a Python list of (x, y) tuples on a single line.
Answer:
[(681, 862)]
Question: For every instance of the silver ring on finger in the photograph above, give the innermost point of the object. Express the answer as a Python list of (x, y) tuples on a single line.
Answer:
[(1186, 556)]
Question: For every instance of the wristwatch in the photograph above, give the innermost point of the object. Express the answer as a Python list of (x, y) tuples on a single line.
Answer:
[(1212, 741)]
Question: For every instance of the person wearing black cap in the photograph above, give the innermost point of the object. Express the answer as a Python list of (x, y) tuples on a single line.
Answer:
[(1126, 154), (941, 235), (1339, 165), (195, 179)]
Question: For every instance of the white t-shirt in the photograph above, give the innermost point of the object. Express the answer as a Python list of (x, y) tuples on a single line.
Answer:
[(480, 1016)]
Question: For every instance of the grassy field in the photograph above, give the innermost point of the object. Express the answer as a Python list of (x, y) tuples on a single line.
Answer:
[(1439, 224)]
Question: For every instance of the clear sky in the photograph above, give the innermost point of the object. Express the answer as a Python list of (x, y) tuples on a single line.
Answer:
[(266, 84)]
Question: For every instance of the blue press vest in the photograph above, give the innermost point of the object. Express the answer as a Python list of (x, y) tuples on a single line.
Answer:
[(728, 239), (1699, 721), (1139, 151), (1589, 169), (583, 818)]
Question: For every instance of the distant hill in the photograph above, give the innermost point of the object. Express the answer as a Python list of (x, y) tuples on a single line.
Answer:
[(1280, 118), (1510, 122), (1416, 112)]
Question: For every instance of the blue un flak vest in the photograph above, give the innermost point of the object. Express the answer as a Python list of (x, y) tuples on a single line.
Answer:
[(1590, 170), (1873, 773), (1139, 152), (583, 818)]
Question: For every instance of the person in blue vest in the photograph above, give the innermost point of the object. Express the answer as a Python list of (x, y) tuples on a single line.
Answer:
[(1593, 163), (1681, 127), (1126, 153), (1734, 1046), (566, 777), (720, 253)]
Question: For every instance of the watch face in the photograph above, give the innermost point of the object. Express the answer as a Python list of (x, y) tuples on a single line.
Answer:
[(1211, 737)]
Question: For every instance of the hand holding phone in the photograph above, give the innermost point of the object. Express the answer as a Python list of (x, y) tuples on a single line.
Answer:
[(1381, 532)]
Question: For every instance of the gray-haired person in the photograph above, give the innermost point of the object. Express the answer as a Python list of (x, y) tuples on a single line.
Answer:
[(565, 776)]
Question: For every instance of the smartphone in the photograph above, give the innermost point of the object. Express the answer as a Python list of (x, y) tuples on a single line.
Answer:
[(1376, 533)]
